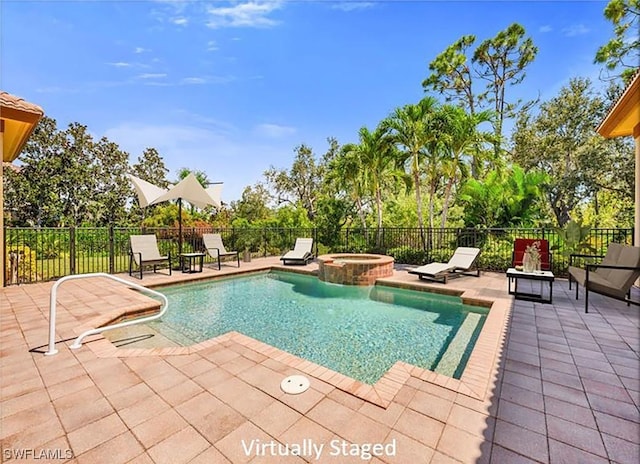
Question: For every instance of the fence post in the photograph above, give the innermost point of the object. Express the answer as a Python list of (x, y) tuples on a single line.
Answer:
[(72, 250), (111, 251)]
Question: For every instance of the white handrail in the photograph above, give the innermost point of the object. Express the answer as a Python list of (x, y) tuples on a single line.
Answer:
[(78, 341)]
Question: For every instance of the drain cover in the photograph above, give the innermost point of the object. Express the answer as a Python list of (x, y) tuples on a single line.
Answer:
[(295, 384)]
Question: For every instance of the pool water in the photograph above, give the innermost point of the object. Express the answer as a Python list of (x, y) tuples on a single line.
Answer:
[(357, 331)]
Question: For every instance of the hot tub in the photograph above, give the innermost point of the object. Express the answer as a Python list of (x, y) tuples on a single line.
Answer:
[(354, 268)]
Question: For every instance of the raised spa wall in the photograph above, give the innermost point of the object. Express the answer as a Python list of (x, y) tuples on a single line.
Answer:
[(354, 269)]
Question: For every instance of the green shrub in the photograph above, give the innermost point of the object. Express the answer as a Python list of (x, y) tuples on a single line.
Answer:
[(406, 255)]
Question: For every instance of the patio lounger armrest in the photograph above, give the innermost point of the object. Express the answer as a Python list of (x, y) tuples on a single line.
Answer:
[(578, 255), (217, 250)]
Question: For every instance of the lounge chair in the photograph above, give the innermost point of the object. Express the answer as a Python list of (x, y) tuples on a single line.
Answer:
[(462, 261), (613, 277), (215, 248), (144, 252), (301, 253)]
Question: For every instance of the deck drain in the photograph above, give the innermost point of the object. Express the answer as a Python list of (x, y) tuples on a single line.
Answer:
[(295, 384)]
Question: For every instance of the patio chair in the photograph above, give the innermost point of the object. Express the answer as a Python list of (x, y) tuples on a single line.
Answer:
[(144, 252), (215, 248), (462, 261), (521, 244), (613, 277), (301, 253)]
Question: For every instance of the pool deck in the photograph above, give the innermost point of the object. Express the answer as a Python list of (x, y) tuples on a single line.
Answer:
[(546, 383)]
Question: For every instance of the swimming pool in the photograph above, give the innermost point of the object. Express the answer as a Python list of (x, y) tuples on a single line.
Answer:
[(357, 331)]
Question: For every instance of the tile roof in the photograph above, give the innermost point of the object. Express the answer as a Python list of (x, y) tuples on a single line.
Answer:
[(11, 101)]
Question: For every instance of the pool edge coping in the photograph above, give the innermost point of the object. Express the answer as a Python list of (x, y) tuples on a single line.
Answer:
[(477, 380)]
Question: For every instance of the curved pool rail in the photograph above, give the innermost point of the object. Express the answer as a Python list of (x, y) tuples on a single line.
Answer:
[(78, 341)]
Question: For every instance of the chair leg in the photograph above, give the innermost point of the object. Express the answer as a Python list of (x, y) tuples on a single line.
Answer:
[(586, 300), (238, 258), (577, 290), (130, 264), (569, 281), (140, 269), (219, 262)]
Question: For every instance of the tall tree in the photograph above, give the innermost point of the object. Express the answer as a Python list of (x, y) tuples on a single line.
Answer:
[(499, 61), (410, 128), (301, 184), (622, 53), (463, 137), (344, 175), (150, 167), (113, 188), (252, 206), (561, 141), (375, 164), (31, 195), (76, 176), (502, 61)]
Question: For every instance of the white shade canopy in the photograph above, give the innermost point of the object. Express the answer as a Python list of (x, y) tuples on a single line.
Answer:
[(188, 189), (146, 191)]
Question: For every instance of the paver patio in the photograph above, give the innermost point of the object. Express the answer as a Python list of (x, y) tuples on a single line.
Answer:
[(561, 386)]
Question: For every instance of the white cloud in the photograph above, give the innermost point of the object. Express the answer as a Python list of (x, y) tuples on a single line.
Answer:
[(212, 46), (180, 21), (273, 131), (254, 13), (151, 76), (352, 6), (193, 80), (120, 64), (138, 50), (544, 29), (575, 30)]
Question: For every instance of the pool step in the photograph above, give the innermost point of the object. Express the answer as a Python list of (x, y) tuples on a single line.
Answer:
[(452, 357)]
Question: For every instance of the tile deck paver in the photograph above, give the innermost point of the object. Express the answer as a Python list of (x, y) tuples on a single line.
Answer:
[(558, 386)]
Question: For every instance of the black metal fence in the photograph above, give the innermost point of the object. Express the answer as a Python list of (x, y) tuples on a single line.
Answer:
[(41, 254)]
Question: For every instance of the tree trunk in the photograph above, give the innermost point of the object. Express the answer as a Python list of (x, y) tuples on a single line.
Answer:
[(363, 220), (416, 179), (445, 203), (379, 222)]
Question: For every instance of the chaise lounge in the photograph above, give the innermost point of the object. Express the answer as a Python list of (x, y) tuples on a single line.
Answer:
[(462, 261), (144, 252), (215, 248), (613, 277), (301, 253)]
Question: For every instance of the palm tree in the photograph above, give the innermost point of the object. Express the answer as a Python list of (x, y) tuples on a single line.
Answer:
[(377, 158), (462, 137), (410, 128), (345, 172)]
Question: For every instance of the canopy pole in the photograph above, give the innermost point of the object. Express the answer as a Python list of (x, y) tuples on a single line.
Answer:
[(179, 226)]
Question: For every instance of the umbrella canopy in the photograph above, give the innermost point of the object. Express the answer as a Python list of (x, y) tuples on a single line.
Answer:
[(188, 189)]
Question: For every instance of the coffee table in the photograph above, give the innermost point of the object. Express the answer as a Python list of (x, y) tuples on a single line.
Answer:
[(541, 276)]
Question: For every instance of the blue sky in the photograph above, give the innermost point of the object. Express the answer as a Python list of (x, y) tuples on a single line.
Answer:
[(231, 87)]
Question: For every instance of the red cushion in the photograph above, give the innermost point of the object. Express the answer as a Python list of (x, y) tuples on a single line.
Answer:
[(521, 244)]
